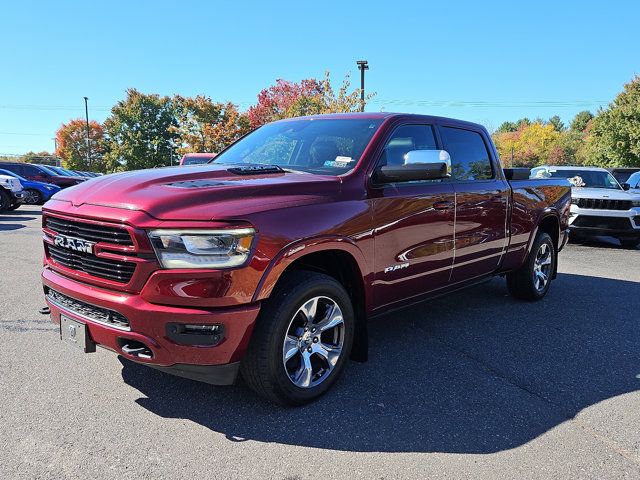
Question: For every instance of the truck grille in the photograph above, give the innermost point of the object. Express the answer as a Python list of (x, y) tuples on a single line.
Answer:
[(98, 266), (89, 231), (89, 263), (604, 204), (88, 311)]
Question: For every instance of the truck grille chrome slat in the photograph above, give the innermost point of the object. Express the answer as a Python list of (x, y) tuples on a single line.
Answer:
[(88, 311)]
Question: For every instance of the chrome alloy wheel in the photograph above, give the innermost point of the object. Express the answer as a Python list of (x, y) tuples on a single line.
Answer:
[(314, 341), (542, 267), (32, 197)]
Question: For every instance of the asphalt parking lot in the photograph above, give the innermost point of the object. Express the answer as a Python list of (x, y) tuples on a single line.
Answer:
[(475, 385)]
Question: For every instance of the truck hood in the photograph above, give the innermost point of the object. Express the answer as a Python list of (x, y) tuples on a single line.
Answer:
[(600, 193), (209, 192)]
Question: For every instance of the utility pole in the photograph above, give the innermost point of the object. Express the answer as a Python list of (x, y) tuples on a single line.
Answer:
[(55, 151), (362, 66), (86, 113)]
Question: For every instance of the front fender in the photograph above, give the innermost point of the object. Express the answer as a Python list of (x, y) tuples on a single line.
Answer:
[(295, 251)]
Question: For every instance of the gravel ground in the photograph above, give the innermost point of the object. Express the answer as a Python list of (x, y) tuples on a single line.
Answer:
[(474, 385)]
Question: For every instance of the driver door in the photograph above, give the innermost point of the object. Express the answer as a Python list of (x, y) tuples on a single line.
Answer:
[(413, 225)]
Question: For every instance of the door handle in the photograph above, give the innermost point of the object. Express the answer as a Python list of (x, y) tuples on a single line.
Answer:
[(443, 205)]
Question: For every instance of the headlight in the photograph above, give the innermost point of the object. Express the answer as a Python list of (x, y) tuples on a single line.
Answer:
[(202, 248), (574, 201)]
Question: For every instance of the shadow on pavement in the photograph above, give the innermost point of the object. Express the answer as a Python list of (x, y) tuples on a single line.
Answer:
[(476, 372)]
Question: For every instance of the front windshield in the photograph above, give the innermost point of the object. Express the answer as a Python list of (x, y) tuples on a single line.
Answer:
[(196, 160), (312, 145), (580, 178), (62, 171), (49, 170)]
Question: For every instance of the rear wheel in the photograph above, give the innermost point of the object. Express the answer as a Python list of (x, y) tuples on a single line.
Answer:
[(302, 339), (630, 243), (5, 201), (533, 279), (33, 197)]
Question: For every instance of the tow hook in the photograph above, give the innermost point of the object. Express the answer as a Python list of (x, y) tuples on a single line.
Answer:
[(135, 348)]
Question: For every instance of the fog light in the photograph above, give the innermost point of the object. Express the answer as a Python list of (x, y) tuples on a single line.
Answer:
[(195, 333)]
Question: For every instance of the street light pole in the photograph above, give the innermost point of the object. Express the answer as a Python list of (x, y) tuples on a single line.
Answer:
[(55, 151), (362, 66), (86, 113)]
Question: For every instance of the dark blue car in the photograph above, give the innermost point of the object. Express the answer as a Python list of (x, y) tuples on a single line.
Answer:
[(36, 193)]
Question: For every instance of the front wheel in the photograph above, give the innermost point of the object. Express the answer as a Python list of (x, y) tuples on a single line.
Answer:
[(302, 339), (33, 197), (533, 279), (5, 201)]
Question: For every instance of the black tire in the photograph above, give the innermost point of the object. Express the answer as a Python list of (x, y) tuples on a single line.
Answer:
[(630, 243), (35, 197), (14, 206), (5, 201), (522, 283), (263, 368)]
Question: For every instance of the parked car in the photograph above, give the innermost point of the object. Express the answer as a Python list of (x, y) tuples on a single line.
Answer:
[(600, 205), (41, 173), (11, 193), (65, 172), (634, 183), (268, 261), (196, 158), (623, 173), (35, 193)]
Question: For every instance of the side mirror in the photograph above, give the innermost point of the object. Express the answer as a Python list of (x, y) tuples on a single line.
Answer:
[(418, 165), (625, 186)]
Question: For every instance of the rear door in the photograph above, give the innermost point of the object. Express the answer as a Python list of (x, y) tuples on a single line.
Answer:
[(413, 225), (482, 201)]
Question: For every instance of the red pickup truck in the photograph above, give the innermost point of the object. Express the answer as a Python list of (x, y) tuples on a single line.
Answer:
[(269, 261)]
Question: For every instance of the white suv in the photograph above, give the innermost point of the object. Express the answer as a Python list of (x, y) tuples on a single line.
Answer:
[(599, 204), (10, 192)]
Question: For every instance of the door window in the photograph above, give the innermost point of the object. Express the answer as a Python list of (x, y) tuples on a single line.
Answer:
[(404, 139), (469, 155)]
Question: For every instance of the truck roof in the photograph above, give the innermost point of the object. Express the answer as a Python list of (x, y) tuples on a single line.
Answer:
[(386, 115)]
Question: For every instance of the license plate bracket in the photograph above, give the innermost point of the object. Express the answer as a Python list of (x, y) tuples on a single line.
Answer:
[(77, 334)]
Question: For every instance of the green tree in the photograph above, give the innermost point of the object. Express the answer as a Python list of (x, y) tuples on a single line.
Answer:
[(615, 132), (556, 123), (71, 140), (507, 127), (141, 132), (581, 120)]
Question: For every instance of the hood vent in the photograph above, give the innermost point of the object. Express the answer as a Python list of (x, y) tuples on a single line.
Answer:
[(198, 184), (255, 169)]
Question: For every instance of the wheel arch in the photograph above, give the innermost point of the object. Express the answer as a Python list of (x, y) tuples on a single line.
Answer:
[(339, 258)]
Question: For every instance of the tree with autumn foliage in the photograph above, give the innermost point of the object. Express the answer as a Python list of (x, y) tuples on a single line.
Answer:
[(71, 141), (288, 99), (205, 126)]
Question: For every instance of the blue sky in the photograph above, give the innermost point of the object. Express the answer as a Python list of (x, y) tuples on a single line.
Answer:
[(480, 61)]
